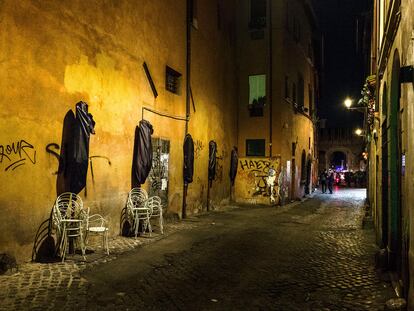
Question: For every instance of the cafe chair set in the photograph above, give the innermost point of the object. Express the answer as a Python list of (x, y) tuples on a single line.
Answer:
[(73, 224), (141, 209)]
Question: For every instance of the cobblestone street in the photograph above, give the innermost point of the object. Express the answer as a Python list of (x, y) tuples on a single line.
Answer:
[(312, 255)]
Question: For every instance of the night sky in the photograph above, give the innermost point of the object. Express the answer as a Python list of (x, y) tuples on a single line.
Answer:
[(344, 72)]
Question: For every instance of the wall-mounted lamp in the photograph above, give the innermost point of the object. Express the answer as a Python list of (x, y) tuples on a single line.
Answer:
[(359, 132)]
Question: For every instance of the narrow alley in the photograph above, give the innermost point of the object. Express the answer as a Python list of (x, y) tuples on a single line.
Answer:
[(311, 255)]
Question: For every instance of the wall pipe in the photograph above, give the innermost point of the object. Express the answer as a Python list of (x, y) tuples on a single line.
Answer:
[(189, 17), (270, 81), (163, 114)]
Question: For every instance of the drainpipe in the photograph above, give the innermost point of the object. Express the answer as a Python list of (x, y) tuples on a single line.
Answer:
[(270, 80), (188, 85)]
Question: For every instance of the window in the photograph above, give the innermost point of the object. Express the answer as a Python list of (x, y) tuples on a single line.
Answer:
[(172, 80), (303, 167), (257, 95), (193, 8), (310, 100), (287, 15), (296, 29), (257, 14), (287, 87), (300, 93), (255, 148), (218, 15), (310, 51), (294, 93)]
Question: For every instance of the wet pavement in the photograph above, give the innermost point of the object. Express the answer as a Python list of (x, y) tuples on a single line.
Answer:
[(310, 255)]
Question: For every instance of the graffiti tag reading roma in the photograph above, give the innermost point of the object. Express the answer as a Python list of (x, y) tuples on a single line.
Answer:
[(16, 154)]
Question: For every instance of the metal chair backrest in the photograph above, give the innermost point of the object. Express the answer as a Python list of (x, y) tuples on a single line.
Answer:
[(136, 198), (154, 205), (69, 206)]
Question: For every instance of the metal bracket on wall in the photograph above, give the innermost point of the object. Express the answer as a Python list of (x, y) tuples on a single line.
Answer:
[(151, 82), (162, 114)]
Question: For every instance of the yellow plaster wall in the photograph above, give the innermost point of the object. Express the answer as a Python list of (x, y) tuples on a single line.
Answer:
[(55, 54), (289, 58)]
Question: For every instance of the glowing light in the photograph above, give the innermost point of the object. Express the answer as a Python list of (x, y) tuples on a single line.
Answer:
[(348, 102), (358, 132)]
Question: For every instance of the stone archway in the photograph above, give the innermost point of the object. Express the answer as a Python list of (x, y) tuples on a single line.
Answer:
[(351, 156)]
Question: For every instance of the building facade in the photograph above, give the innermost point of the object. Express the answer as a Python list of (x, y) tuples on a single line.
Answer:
[(188, 67), (56, 54), (278, 47), (390, 145)]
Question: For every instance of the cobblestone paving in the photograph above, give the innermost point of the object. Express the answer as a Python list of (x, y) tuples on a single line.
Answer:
[(310, 256), (60, 286)]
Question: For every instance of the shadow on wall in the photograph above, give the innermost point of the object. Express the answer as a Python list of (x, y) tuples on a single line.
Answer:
[(45, 245)]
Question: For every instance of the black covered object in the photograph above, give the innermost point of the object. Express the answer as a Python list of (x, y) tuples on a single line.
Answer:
[(142, 160), (212, 161), (188, 149), (75, 149), (234, 162)]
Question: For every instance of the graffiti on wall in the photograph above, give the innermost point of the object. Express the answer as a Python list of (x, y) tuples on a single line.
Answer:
[(258, 180), (53, 149), (198, 148), (16, 154), (221, 154)]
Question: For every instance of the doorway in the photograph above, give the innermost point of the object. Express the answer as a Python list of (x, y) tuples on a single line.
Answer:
[(158, 176)]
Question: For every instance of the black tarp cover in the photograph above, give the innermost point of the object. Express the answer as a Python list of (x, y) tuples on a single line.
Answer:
[(142, 160), (234, 162), (212, 161), (78, 158), (188, 149)]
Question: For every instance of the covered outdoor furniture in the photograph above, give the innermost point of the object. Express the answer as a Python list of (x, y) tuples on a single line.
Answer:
[(155, 206), (97, 225), (138, 211), (142, 157), (69, 219)]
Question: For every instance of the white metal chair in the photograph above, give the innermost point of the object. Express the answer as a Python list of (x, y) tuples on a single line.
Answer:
[(138, 211), (98, 225), (155, 206), (69, 218)]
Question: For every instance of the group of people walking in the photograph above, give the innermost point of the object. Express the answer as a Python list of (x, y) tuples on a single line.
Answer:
[(327, 179)]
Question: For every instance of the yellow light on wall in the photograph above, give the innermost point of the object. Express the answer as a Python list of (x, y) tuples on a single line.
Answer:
[(358, 132)]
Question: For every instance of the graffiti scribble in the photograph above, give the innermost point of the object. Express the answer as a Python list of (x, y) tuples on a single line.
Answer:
[(16, 154)]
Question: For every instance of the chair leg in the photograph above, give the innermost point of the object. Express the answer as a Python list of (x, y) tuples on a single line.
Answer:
[(161, 222), (136, 222), (149, 227), (106, 241), (82, 245)]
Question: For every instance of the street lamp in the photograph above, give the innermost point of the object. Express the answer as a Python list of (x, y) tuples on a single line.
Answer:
[(360, 107), (348, 102), (358, 132)]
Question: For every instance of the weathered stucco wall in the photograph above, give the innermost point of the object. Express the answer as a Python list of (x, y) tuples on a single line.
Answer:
[(289, 59), (55, 54)]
